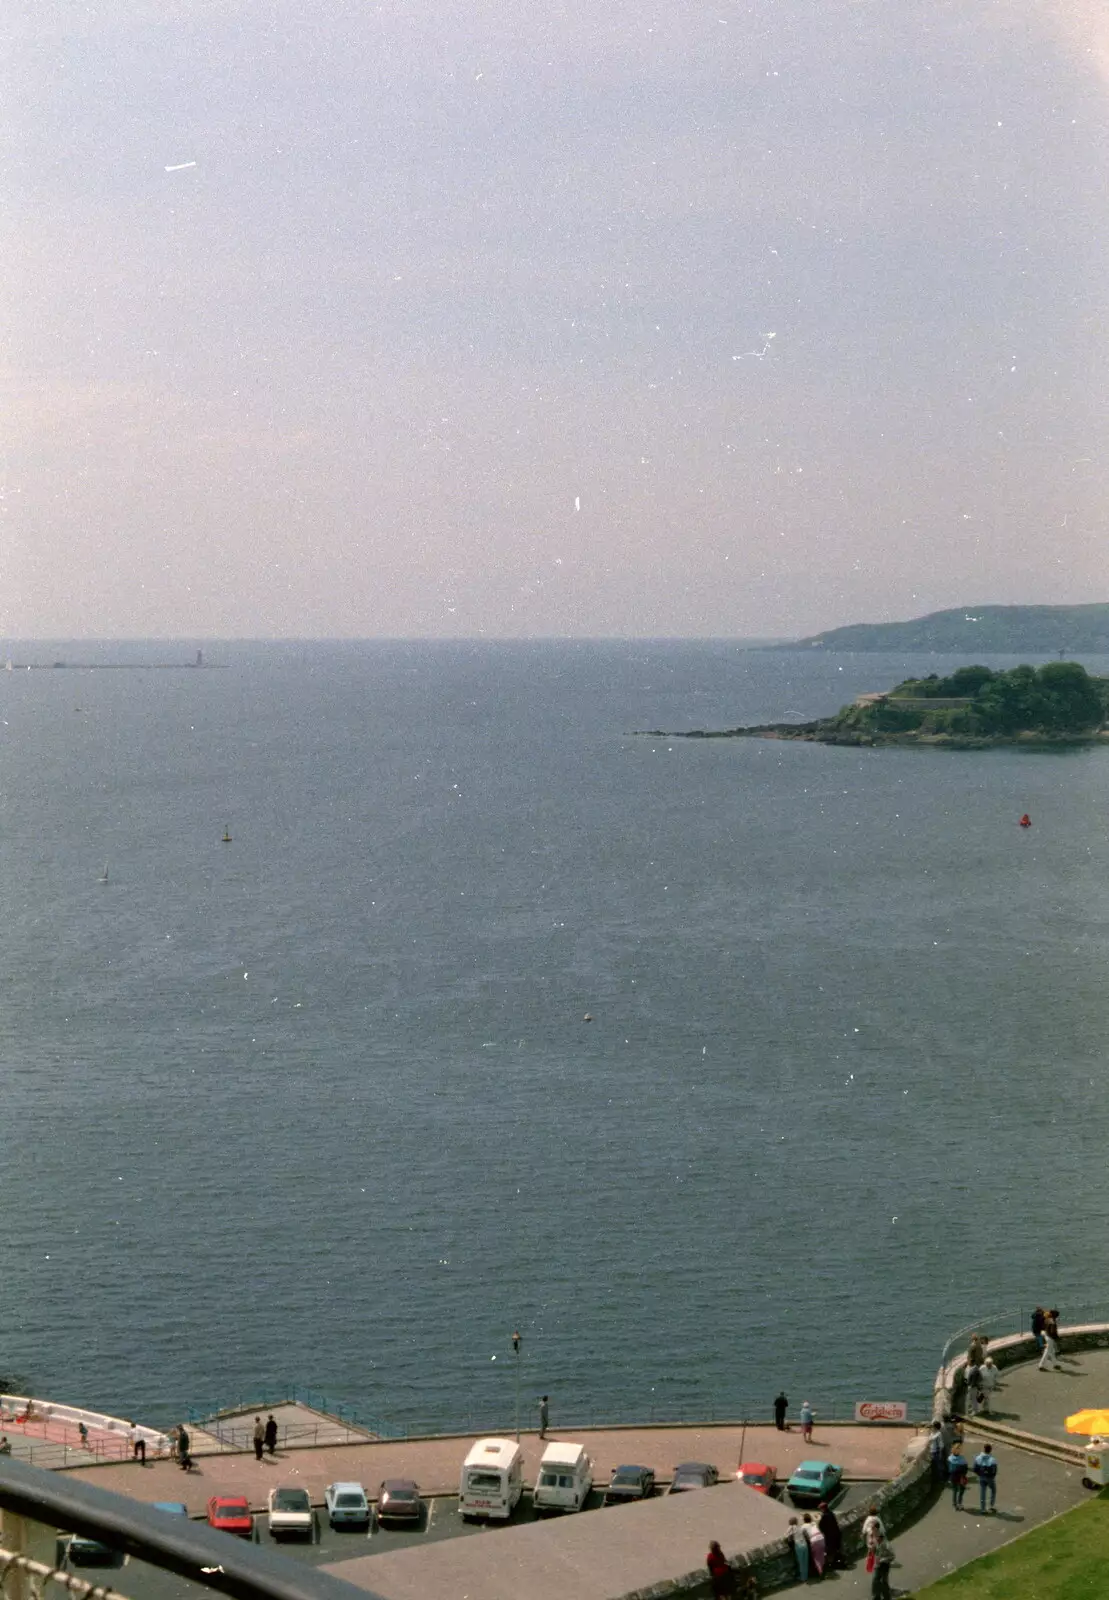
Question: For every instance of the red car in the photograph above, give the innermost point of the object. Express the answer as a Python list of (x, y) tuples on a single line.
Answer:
[(231, 1512), (758, 1476)]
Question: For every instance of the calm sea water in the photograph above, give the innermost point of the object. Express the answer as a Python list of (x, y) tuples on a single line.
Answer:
[(321, 1106)]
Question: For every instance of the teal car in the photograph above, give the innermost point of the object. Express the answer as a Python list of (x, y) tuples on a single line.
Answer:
[(814, 1481)]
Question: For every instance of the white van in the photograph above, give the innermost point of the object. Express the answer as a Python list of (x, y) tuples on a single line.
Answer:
[(492, 1479), (565, 1478)]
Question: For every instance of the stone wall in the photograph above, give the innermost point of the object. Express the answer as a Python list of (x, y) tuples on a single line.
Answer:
[(773, 1564)]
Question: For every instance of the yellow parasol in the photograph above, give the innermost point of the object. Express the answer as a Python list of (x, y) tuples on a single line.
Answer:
[(1090, 1422)]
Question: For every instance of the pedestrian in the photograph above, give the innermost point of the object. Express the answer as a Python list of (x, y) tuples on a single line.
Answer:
[(807, 1419), (1039, 1317), (1049, 1361), (259, 1438), (1051, 1327), (985, 1465), (83, 1435), (138, 1445), (975, 1399), (271, 1435), (5, 1445), (544, 1415), (883, 1561), (184, 1459), (957, 1468), (749, 1587), (989, 1380), (937, 1452), (833, 1537), (781, 1406), (818, 1550), (976, 1354), (874, 1530), (720, 1571), (796, 1537)]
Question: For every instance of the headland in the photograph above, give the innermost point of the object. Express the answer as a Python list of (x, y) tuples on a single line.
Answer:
[(996, 630), (1056, 706)]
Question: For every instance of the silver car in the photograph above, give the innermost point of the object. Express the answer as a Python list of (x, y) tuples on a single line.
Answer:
[(347, 1505)]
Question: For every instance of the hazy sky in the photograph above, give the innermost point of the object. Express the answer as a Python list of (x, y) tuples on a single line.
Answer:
[(585, 317)]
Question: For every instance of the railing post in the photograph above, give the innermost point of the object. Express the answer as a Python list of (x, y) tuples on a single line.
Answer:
[(25, 1538)]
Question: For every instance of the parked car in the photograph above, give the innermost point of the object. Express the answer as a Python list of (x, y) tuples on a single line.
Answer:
[(346, 1505), (814, 1481), (693, 1475), (175, 1508), (398, 1500), (82, 1552), (290, 1513), (630, 1483), (231, 1512), (759, 1476)]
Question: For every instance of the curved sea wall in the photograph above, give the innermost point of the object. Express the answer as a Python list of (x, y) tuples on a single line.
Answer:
[(950, 1386), (773, 1564), (65, 1421)]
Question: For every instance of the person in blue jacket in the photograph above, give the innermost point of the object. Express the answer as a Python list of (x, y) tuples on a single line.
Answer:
[(985, 1467)]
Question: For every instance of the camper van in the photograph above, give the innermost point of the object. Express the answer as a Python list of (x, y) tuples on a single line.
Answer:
[(565, 1478), (492, 1479)]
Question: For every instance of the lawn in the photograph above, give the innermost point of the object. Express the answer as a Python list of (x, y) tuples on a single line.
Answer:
[(1067, 1559)]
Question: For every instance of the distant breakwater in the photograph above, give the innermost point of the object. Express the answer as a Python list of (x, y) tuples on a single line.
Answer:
[(116, 666)]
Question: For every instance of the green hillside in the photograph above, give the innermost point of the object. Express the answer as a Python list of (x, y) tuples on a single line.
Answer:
[(986, 630)]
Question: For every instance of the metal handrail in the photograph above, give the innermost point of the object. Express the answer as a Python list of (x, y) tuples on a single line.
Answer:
[(191, 1549)]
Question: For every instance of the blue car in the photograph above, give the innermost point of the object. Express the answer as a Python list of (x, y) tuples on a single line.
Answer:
[(173, 1507), (814, 1481)]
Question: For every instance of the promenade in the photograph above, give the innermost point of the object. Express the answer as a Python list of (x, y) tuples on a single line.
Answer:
[(871, 1453), (602, 1554)]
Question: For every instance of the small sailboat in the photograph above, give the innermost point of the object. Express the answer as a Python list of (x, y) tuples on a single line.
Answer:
[(103, 878), (226, 837)]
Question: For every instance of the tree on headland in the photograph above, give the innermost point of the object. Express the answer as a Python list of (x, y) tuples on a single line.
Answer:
[(1059, 698)]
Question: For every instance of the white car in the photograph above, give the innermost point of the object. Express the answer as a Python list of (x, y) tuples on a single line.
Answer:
[(290, 1514), (347, 1505)]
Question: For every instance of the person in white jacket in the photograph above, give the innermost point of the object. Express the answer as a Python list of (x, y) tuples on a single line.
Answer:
[(989, 1379), (1049, 1361)]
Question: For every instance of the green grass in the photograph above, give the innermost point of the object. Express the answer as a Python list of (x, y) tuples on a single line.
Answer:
[(1067, 1559)]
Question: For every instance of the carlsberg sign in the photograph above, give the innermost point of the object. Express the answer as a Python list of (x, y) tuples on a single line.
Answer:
[(881, 1411)]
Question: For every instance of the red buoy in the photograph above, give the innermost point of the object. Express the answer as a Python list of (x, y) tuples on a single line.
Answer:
[(1026, 821)]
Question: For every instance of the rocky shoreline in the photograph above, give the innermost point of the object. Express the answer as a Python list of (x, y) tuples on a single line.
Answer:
[(828, 733)]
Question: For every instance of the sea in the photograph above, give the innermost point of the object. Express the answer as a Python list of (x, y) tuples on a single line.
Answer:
[(707, 1067)]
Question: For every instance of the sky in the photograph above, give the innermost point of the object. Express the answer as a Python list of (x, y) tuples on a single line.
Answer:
[(454, 318)]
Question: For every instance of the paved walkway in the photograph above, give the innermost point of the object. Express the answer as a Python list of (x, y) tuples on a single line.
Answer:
[(1030, 1489), (1039, 1402), (868, 1453)]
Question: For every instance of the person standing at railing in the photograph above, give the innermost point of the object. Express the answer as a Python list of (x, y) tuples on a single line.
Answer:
[(259, 1438), (271, 1435)]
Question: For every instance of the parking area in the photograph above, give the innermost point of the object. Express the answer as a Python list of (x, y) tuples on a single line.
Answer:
[(441, 1520)]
